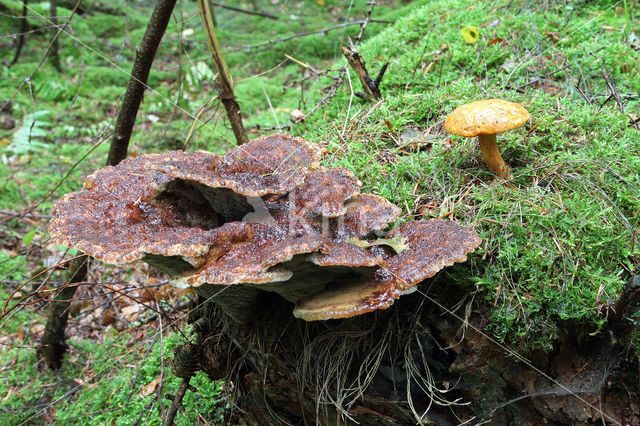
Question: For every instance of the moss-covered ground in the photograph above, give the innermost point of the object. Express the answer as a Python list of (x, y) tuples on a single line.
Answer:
[(559, 239)]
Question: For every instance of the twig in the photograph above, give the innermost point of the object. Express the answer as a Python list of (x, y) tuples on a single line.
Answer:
[(248, 12), (176, 402), (224, 76), (612, 87), (44, 57), (544, 77), (259, 128), (273, 112), (363, 22), (333, 89), (371, 88), (27, 215), (582, 92), (367, 19)]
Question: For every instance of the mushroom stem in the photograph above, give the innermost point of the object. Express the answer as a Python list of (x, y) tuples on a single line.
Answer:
[(491, 155)]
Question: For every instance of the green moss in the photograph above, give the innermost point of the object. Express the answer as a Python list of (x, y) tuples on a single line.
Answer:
[(556, 240)]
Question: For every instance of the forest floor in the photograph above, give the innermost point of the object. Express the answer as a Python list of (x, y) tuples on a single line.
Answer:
[(559, 238)]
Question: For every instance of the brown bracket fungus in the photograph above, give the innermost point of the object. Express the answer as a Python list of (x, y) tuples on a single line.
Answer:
[(432, 245), (486, 119), (264, 217), (119, 217)]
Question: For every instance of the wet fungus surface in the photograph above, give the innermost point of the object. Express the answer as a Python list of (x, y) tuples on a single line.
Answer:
[(265, 217)]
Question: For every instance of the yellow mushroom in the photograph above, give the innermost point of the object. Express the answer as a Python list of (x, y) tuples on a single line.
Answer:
[(486, 119)]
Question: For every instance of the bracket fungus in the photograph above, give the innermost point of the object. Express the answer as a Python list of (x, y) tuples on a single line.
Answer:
[(485, 119), (263, 218)]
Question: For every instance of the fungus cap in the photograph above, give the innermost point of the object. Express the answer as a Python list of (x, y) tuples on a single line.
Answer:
[(486, 117), (254, 260), (433, 244), (325, 191), (117, 219), (273, 164), (348, 300)]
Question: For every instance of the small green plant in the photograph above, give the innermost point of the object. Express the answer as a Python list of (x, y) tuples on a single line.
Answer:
[(197, 74), (54, 90), (29, 135)]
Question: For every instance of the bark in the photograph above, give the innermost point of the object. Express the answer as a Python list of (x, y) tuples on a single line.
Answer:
[(53, 343), (224, 77), (145, 54)]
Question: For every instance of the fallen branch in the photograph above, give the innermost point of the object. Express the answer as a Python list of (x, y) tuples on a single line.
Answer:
[(248, 12), (308, 33), (371, 87), (338, 81), (176, 402)]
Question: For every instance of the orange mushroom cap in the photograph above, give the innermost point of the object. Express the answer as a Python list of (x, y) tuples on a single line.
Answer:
[(486, 117)]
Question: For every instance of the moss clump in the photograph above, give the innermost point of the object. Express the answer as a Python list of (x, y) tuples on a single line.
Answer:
[(559, 239)]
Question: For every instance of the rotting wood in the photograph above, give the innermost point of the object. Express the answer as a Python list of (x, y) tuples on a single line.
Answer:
[(371, 87)]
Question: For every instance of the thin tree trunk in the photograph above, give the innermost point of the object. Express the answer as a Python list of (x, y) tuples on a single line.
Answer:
[(145, 54), (224, 77), (23, 30), (53, 345), (55, 49)]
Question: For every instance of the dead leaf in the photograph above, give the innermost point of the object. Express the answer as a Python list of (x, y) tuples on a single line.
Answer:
[(130, 312), (151, 387), (553, 36), (37, 329), (108, 317), (496, 40), (389, 125)]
